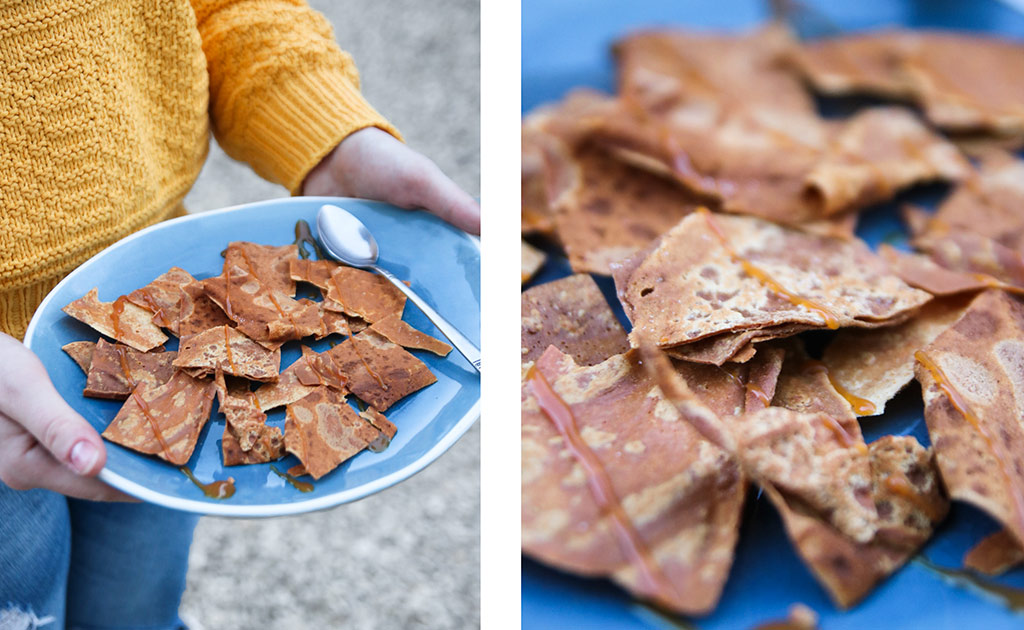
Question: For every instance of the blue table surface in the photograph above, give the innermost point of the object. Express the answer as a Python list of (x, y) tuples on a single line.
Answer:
[(566, 45)]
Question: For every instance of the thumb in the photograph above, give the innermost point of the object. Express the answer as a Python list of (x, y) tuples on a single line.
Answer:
[(441, 196), (28, 398)]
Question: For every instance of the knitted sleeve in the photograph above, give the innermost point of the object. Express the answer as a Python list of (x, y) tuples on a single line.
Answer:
[(282, 94)]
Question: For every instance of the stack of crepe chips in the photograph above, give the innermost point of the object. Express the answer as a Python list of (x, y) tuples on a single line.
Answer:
[(723, 207), (231, 329)]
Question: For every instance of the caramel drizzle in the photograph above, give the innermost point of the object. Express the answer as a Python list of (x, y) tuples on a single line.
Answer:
[(750, 387), (652, 580), (298, 484), (897, 483), (860, 406), (352, 338), (844, 437), (964, 409), (227, 348), (159, 318), (831, 321), (115, 315), (215, 489)]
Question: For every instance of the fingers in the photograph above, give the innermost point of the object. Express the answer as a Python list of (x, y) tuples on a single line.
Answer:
[(29, 400), (443, 197), (25, 464)]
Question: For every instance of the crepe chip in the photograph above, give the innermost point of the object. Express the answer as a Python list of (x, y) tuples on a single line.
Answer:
[(162, 297), (377, 371), (533, 260), (315, 272), (267, 448), (323, 431), (116, 369), (680, 495), (385, 427), (573, 315), (259, 310), (294, 383), (81, 353), (229, 350), (995, 554), (395, 329), (164, 420), (363, 294), (270, 264), (120, 320), (197, 312)]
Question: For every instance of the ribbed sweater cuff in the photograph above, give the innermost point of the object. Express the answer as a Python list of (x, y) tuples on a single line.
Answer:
[(302, 119)]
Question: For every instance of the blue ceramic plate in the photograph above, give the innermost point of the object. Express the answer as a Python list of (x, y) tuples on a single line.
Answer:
[(565, 44), (443, 265)]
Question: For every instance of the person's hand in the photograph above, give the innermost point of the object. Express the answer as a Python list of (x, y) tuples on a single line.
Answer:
[(43, 442), (372, 164)]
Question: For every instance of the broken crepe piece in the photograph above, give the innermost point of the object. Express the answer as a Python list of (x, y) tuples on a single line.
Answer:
[(268, 447), (116, 369), (376, 370), (165, 420), (807, 386), (973, 385), (665, 521), (909, 501), (323, 431), (363, 294), (707, 74), (120, 320), (81, 353), (963, 82), (197, 312), (259, 310), (532, 261), (396, 330), (226, 349), (315, 272), (241, 411), (715, 275), (984, 258), (294, 383), (995, 554), (573, 315), (921, 272), (385, 427), (874, 365), (162, 297), (270, 264)]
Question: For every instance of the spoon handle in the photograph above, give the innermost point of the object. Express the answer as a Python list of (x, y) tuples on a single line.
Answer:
[(461, 343)]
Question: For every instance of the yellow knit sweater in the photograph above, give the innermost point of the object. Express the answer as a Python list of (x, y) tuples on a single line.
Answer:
[(106, 108)]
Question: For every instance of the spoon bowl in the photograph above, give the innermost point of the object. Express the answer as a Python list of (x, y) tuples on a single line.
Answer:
[(346, 239)]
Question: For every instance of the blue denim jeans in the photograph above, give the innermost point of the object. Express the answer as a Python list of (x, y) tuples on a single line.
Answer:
[(91, 565)]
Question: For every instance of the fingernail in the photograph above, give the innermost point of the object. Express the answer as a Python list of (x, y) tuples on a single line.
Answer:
[(83, 456)]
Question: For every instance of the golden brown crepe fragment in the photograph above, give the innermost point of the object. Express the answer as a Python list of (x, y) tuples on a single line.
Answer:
[(995, 554), (377, 371), (270, 264), (708, 73), (315, 272), (985, 259), (920, 271), (162, 297), (241, 411), (289, 387), (197, 312), (323, 431), (164, 420), (962, 82), (874, 365), (908, 498), (807, 386), (681, 495), (533, 260), (607, 210), (573, 315), (363, 294), (537, 215), (339, 323), (116, 369), (260, 311), (395, 329), (120, 320), (724, 275), (225, 348), (385, 427), (988, 203), (81, 353), (267, 448), (973, 385)]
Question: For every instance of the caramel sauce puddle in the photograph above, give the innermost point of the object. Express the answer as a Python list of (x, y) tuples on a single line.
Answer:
[(217, 489), (301, 486), (831, 321), (652, 580)]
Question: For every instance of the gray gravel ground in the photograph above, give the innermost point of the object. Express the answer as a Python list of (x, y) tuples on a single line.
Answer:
[(407, 557)]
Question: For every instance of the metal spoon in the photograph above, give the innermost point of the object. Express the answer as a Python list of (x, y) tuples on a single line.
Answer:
[(346, 239)]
